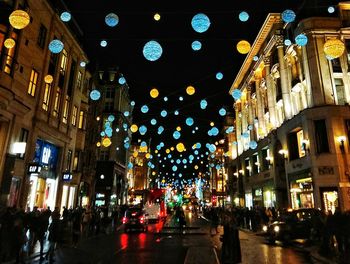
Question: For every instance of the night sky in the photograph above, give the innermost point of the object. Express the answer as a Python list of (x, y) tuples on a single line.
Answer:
[(179, 66)]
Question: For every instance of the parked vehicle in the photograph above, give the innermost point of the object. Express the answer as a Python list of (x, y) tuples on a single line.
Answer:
[(153, 211), (135, 218), (296, 224)]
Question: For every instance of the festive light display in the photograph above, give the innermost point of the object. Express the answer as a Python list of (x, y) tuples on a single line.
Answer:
[(200, 23), (66, 16), (219, 76), (56, 46), (103, 43), (152, 50), (134, 128), (236, 94), (144, 109), (111, 20), (334, 48), (243, 16), (48, 79), (203, 104), (9, 43), (222, 112), (189, 121), (19, 19), (154, 93), (288, 16), (190, 90), (95, 95), (196, 45), (243, 47), (301, 40)]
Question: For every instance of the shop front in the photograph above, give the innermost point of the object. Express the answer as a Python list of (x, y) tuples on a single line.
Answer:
[(258, 197), (69, 191), (269, 197), (301, 191), (42, 175), (248, 199), (330, 199)]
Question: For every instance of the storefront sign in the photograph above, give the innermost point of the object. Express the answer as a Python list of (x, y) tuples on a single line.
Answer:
[(258, 192), (34, 169), (67, 176), (46, 154)]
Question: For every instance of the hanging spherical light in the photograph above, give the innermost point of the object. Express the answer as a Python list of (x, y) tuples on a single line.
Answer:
[(203, 104), (154, 93), (288, 16), (144, 109), (111, 20), (180, 147), (95, 95), (9, 43), (253, 144), (66, 16), (237, 94), (48, 79), (56, 46), (152, 50), (243, 16), (219, 76), (189, 121), (156, 17), (243, 47), (106, 142), (19, 19), (200, 23), (103, 43), (301, 39), (134, 128), (196, 45), (190, 90), (178, 128), (334, 48)]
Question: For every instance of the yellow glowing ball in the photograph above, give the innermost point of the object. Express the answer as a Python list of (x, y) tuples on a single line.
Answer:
[(19, 19), (163, 181), (196, 167), (134, 128), (178, 128), (334, 48), (143, 149), (156, 151), (106, 142), (156, 17), (180, 147), (167, 151), (154, 93), (148, 156), (172, 148), (9, 43), (212, 124), (48, 79), (98, 144), (135, 154), (243, 47), (190, 90), (153, 173)]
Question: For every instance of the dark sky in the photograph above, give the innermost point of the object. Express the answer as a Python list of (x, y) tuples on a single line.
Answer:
[(179, 65)]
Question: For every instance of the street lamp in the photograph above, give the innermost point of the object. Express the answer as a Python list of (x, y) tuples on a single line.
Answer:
[(341, 140)]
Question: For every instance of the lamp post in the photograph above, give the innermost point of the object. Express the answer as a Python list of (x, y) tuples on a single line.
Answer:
[(284, 152)]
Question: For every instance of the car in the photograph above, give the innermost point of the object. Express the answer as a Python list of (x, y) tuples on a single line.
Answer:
[(291, 225), (135, 218)]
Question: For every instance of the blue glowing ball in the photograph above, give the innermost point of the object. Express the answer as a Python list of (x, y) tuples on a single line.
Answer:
[(253, 144), (210, 133), (143, 144), (237, 94), (198, 145), (250, 127), (111, 118), (245, 135), (143, 130), (130, 165), (125, 126), (301, 39), (103, 43), (243, 16), (132, 103), (126, 145), (66, 16), (126, 113), (158, 147), (121, 80), (164, 113), (288, 16), (165, 99), (219, 76), (176, 112), (196, 45), (82, 64), (255, 58), (200, 23), (176, 135), (191, 157), (189, 121), (181, 98), (95, 95), (152, 50), (331, 9), (287, 42), (196, 152), (153, 122), (184, 161), (218, 167), (203, 104), (212, 148), (174, 168), (112, 20), (160, 130), (144, 109), (161, 144), (109, 131), (56, 46), (102, 134), (214, 131), (222, 112), (169, 156)]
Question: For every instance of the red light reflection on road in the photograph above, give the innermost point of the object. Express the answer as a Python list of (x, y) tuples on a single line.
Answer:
[(124, 240), (142, 240)]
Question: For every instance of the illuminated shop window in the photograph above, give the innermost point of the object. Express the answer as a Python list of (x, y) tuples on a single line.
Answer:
[(33, 82)]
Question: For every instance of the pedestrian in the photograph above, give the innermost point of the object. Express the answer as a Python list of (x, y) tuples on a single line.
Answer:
[(76, 227), (231, 247), (54, 234), (86, 219), (215, 220), (18, 239)]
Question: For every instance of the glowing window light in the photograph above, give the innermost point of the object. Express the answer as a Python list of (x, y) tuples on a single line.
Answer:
[(164, 113), (9, 43), (48, 79), (236, 94), (56, 46), (152, 50), (331, 9), (243, 16), (222, 112), (153, 122), (111, 20), (66, 16), (196, 45), (190, 90), (189, 121), (154, 93), (203, 104), (134, 128), (219, 76), (243, 47), (301, 40), (253, 144), (121, 80), (19, 19), (144, 109), (334, 48), (143, 130), (200, 23), (176, 135), (95, 95), (288, 16), (103, 43)]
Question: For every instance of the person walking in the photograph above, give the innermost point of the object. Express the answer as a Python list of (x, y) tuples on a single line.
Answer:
[(54, 234), (214, 217)]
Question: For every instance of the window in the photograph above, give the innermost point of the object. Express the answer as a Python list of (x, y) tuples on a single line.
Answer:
[(339, 89), (71, 78), (79, 79), (347, 43), (321, 136), (46, 99), (64, 60), (296, 144), (56, 107), (74, 115), (247, 168), (81, 124), (336, 66), (10, 54), (76, 161), (104, 154), (265, 159), (33, 82), (65, 110), (52, 64), (110, 92), (23, 138), (255, 164), (2, 37), (42, 36), (69, 159)]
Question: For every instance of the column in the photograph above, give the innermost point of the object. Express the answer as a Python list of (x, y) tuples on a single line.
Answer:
[(271, 98), (238, 129), (284, 78), (260, 105)]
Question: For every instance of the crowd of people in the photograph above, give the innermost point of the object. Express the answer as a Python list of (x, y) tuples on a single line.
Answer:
[(21, 232)]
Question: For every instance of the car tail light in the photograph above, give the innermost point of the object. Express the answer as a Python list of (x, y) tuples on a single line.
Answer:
[(134, 214), (142, 219), (125, 220)]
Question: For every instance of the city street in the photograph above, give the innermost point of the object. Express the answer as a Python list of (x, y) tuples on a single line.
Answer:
[(163, 243)]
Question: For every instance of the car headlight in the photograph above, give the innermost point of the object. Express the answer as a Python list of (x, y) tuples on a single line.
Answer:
[(264, 228), (276, 229)]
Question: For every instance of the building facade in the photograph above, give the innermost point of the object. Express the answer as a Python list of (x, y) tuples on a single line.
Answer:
[(291, 140), (42, 119)]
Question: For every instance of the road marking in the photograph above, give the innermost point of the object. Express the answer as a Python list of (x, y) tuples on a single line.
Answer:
[(119, 250)]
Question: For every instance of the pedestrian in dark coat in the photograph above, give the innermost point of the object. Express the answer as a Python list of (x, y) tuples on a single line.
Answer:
[(231, 247)]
